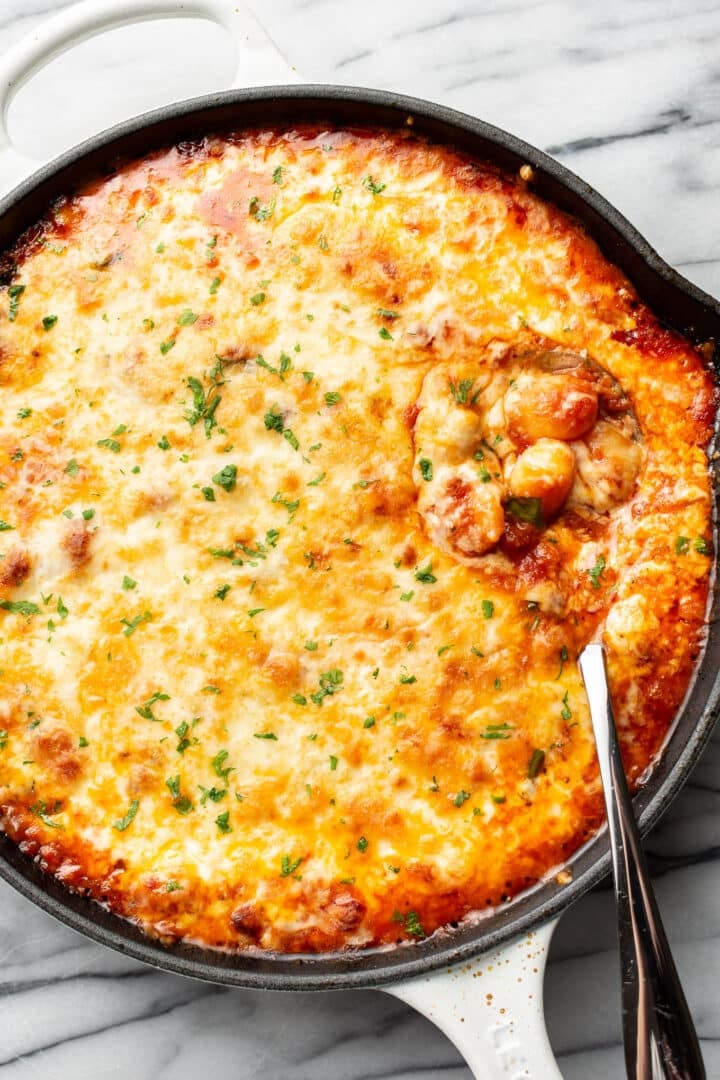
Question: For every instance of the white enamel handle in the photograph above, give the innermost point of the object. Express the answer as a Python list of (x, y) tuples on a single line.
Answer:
[(260, 62), (491, 1008)]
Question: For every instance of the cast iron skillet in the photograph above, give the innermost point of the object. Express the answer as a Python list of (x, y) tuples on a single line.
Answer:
[(678, 303)]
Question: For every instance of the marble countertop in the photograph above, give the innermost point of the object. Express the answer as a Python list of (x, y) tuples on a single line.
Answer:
[(628, 96)]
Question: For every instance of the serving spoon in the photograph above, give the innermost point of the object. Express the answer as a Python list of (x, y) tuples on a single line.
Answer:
[(658, 1031)]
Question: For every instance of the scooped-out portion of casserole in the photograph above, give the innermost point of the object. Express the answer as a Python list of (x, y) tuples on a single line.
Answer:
[(322, 455)]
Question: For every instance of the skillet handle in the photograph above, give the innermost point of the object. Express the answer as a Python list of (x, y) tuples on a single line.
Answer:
[(260, 62), (491, 1008)]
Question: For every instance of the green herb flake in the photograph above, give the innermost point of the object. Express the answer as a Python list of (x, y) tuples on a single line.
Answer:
[(528, 510), (425, 574), (413, 925), (318, 480), (255, 611), (488, 609), (131, 625), (369, 722), (22, 414), (333, 763), (223, 822), (536, 763), (701, 546), (72, 468), (222, 591), (82, 742), (164, 443), (226, 478), (214, 285), (49, 321), (332, 397), (88, 515), (219, 767), (122, 824), (278, 175), (330, 683), (337, 193), (362, 844), (208, 494), (426, 469), (682, 545), (20, 607), (110, 444), (288, 866), (299, 699), (270, 735), (385, 334), (166, 346), (14, 293), (407, 596), (566, 711), (173, 886), (461, 797), (497, 731), (372, 185), (596, 572), (311, 646), (563, 661), (257, 299), (44, 812), (146, 711), (5, 527), (460, 391)]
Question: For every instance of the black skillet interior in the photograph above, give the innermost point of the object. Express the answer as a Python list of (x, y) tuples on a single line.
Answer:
[(678, 303)]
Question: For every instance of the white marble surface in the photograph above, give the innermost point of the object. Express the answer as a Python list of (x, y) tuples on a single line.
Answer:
[(626, 93)]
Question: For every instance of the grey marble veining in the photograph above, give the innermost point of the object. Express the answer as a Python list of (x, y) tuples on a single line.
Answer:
[(627, 94)]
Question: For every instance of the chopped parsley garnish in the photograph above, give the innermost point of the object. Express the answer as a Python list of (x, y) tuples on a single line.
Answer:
[(61, 609), (131, 625), (406, 596), (173, 886), (182, 803), (563, 661), (497, 731), (4, 736), (311, 646), (20, 607), (372, 185), (4, 527), (265, 735), (187, 318), (332, 397), (129, 817), (110, 444), (596, 572), (460, 391), (164, 443), (330, 683), (444, 649), (14, 292), (261, 213), (255, 611), (214, 794), (43, 811), (362, 844), (426, 468), (476, 652), (222, 591), (166, 346), (88, 515), (223, 822), (72, 468), (385, 334), (413, 925), (566, 711), (82, 742), (181, 731), (528, 510), (701, 546), (461, 797), (49, 321), (205, 402), (214, 285), (682, 545), (488, 609), (226, 478), (278, 175), (146, 710), (536, 763), (425, 574), (369, 722), (257, 299), (384, 313), (318, 480), (333, 763), (288, 866), (407, 680), (299, 699), (290, 505), (499, 799), (208, 494), (336, 195), (219, 767)]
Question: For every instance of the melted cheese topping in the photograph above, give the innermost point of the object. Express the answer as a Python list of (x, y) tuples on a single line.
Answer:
[(262, 685)]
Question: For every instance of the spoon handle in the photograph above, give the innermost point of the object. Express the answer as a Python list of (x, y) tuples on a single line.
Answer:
[(658, 1031)]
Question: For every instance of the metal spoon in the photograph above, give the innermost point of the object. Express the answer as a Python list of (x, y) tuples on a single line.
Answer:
[(658, 1031)]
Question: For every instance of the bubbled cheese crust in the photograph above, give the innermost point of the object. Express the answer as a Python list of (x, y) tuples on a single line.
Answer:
[(247, 698)]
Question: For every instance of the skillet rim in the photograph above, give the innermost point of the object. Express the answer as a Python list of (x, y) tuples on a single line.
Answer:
[(685, 307)]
